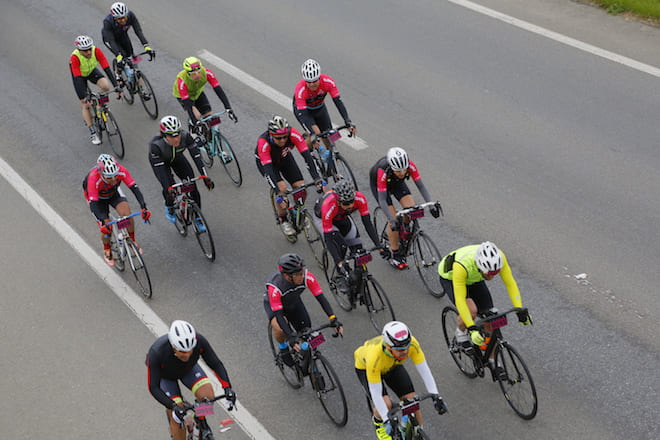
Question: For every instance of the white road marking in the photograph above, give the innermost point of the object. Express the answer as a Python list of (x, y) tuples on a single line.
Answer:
[(651, 70), (133, 301), (279, 98)]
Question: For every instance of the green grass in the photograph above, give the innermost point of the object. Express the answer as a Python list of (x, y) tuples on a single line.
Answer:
[(647, 9)]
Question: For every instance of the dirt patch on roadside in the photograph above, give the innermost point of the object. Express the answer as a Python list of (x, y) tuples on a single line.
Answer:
[(655, 22)]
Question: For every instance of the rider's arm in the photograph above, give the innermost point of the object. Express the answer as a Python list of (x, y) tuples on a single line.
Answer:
[(363, 207), (313, 285), (213, 361), (510, 282), (300, 106), (213, 81), (328, 84), (103, 61), (79, 82), (133, 20), (301, 146), (376, 391), (417, 178), (310, 164), (381, 188), (341, 109), (264, 152), (275, 302), (193, 149), (138, 196), (186, 102), (459, 282), (417, 357), (108, 34), (153, 381)]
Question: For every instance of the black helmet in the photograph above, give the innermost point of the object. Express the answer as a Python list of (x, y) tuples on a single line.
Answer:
[(345, 190), (290, 263)]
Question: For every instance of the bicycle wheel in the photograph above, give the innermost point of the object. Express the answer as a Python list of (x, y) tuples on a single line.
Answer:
[(202, 232), (139, 268), (420, 434), (329, 390), (427, 257), (147, 95), (206, 151), (128, 90), (112, 128), (378, 305), (380, 225), (343, 169), (314, 239), (116, 253), (180, 224), (463, 360), (292, 375), (343, 299), (291, 238), (518, 388), (228, 158)]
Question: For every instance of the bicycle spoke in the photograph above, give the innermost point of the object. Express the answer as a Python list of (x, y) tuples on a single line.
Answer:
[(202, 232), (229, 159), (518, 388), (427, 257), (378, 304), (291, 374), (314, 239), (344, 170), (463, 360), (139, 269), (342, 298), (114, 134), (329, 390), (147, 95)]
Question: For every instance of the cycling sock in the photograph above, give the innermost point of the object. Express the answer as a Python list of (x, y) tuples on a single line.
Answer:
[(283, 345), (92, 130)]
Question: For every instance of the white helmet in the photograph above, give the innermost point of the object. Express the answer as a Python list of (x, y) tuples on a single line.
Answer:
[(488, 258), (182, 336), (83, 42), (107, 166), (397, 158), (118, 10), (170, 125), (311, 70), (396, 334)]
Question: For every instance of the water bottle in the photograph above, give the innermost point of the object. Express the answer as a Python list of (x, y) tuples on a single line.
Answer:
[(324, 153), (306, 355), (120, 245), (404, 233), (129, 72)]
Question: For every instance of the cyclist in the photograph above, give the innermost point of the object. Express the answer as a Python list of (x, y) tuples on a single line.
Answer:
[(332, 216), (379, 361), (172, 358), (83, 66), (308, 101), (188, 89), (166, 155), (101, 190), (387, 178), (278, 166), (463, 275), (115, 35), (284, 306)]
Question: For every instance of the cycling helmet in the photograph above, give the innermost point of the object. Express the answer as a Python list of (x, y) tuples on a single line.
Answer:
[(278, 125), (118, 10), (311, 70), (170, 125), (182, 336), (488, 258), (397, 158), (83, 42), (290, 263), (345, 190), (396, 334), (107, 166), (192, 64)]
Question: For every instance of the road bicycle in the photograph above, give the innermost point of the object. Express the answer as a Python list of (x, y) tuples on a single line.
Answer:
[(217, 145), (189, 214), (196, 426), (513, 375), (329, 162), (311, 363), (124, 250), (403, 420), (104, 121), (413, 241), (359, 287), (135, 82)]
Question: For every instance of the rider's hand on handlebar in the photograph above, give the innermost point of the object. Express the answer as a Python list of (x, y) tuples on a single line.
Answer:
[(209, 183), (476, 336), (146, 214), (440, 405), (524, 317), (105, 229), (150, 52), (230, 397), (178, 413), (320, 183), (435, 212), (232, 115), (352, 129)]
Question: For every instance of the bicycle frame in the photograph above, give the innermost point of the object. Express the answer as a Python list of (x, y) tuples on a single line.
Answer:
[(412, 214), (410, 428), (201, 409), (211, 130), (496, 321)]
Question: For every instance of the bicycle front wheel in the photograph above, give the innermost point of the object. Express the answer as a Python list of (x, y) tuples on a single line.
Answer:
[(203, 233), (329, 390), (518, 386), (380, 225), (463, 360), (273, 201), (343, 298), (343, 170), (206, 151), (228, 158), (114, 134), (292, 375), (378, 305), (314, 239), (427, 257), (147, 95), (181, 215), (139, 268)]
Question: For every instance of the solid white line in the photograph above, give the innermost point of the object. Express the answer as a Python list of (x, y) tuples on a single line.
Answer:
[(133, 301), (266, 90), (651, 70)]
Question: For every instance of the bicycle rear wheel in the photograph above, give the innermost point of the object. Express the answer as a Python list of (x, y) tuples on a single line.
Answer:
[(329, 390), (114, 134), (518, 388), (273, 196), (342, 169), (228, 158), (314, 239), (202, 232), (139, 268), (292, 375), (147, 95), (464, 361), (378, 305), (342, 298), (427, 257)]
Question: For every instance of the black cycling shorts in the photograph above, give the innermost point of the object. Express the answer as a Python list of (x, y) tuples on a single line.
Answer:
[(397, 379), (478, 292)]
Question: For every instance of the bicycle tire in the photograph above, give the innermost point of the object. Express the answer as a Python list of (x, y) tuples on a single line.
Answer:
[(463, 360), (139, 268), (380, 225), (420, 434), (204, 237), (181, 225), (331, 394), (206, 151), (343, 300), (128, 90), (112, 130), (427, 257), (116, 254), (228, 158), (518, 389), (314, 239), (290, 238), (378, 304), (343, 170), (292, 375), (151, 105), (99, 126)]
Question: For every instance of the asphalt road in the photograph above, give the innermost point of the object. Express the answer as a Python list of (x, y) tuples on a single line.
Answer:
[(555, 144)]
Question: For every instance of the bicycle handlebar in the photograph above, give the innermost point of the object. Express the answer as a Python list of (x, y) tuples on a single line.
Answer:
[(407, 404), (119, 219), (326, 133), (213, 115), (406, 211), (307, 333), (191, 406), (186, 182), (480, 321)]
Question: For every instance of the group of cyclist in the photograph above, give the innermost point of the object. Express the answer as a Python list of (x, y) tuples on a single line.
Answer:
[(379, 361)]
